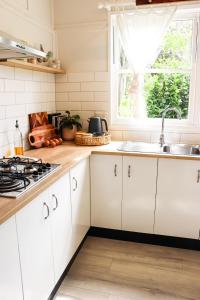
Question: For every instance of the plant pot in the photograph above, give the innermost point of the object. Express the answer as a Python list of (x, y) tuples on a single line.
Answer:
[(69, 134)]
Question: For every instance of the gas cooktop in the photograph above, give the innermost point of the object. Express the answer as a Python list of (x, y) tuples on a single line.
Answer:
[(20, 173)]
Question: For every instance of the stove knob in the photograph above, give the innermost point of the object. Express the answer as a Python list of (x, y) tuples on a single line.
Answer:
[(35, 173), (48, 165)]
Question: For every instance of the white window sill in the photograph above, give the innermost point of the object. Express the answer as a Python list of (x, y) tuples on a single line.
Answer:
[(174, 126)]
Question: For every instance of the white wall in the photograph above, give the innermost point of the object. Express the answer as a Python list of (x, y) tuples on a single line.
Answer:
[(82, 38), (23, 91)]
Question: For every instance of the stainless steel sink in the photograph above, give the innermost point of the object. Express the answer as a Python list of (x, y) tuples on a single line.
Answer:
[(176, 149)]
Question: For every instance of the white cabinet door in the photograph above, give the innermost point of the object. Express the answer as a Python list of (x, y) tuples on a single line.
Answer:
[(10, 275), (61, 223), (139, 192), (34, 235), (80, 199), (106, 191), (178, 198)]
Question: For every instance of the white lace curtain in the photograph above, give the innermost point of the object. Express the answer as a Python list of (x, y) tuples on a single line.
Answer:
[(141, 34)]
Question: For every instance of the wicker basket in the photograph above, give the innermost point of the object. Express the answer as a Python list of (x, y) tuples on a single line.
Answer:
[(85, 139)]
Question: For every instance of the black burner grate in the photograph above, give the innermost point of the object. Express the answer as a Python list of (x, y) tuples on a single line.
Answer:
[(13, 182)]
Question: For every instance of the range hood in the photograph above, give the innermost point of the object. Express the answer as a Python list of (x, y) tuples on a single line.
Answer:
[(11, 49)]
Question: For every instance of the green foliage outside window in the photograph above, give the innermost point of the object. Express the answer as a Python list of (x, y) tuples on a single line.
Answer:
[(167, 90)]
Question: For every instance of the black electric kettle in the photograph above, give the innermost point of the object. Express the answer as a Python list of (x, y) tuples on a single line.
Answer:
[(96, 125)]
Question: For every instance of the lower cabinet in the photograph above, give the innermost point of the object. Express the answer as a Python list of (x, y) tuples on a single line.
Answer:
[(61, 224), (80, 201), (10, 274), (123, 191), (106, 191), (44, 233), (178, 198), (34, 236), (139, 192)]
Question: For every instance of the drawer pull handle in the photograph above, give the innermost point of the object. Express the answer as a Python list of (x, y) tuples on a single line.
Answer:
[(115, 170), (76, 184), (198, 176), (129, 171), (54, 196), (45, 205)]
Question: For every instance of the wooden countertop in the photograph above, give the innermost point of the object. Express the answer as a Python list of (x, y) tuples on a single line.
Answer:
[(67, 155)]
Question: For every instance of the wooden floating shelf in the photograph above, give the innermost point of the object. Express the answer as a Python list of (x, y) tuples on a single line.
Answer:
[(35, 67)]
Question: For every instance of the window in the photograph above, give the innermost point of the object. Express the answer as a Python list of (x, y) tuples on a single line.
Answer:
[(168, 82)]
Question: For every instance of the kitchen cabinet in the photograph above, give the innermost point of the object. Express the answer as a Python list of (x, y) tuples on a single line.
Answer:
[(177, 203), (34, 236), (139, 192), (61, 224), (145, 2), (106, 191), (80, 201), (10, 275)]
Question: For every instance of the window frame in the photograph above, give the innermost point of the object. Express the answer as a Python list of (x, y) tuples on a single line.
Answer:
[(192, 123)]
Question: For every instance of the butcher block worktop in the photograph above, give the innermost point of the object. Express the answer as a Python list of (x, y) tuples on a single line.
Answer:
[(67, 155)]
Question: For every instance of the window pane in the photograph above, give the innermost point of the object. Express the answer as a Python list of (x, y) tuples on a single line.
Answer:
[(176, 50), (163, 90), (125, 103)]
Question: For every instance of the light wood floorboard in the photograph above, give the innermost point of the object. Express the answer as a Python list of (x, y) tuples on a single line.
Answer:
[(116, 270)]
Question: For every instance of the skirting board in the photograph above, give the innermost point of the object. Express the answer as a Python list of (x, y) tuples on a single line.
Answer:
[(153, 239)]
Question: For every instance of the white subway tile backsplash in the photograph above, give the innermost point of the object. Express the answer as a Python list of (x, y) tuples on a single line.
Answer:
[(7, 72), (137, 136), (33, 108), (7, 99), (2, 85), (61, 78), (116, 135), (188, 138), (81, 96), (22, 98), (23, 92), (87, 105), (39, 76), (80, 77), (94, 86), (2, 112), (101, 106), (32, 86), (22, 74), (62, 97), (101, 96), (15, 111), (101, 76), (68, 87), (47, 87), (68, 106), (14, 85)]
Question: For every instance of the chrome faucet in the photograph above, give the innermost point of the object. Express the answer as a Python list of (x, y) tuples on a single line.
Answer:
[(162, 137)]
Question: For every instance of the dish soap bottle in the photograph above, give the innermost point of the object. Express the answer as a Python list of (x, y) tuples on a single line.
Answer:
[(18, 140)]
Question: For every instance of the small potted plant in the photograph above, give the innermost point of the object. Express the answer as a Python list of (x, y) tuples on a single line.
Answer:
[(69, 125)]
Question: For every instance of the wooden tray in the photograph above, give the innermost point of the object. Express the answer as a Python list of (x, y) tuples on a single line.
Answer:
[(89, 140)]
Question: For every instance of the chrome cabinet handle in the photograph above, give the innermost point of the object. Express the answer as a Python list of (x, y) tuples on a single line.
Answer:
[(45, 205), (115, 170), (76, 184), (54, 196), (129, 171), (198, 176)]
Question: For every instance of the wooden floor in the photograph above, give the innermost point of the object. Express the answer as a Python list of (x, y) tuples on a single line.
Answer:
[(117, 270)]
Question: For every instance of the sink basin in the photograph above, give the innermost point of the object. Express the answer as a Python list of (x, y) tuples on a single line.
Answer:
[(176, 149)]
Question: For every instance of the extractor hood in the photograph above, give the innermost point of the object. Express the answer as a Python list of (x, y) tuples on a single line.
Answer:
[(11, 49)]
